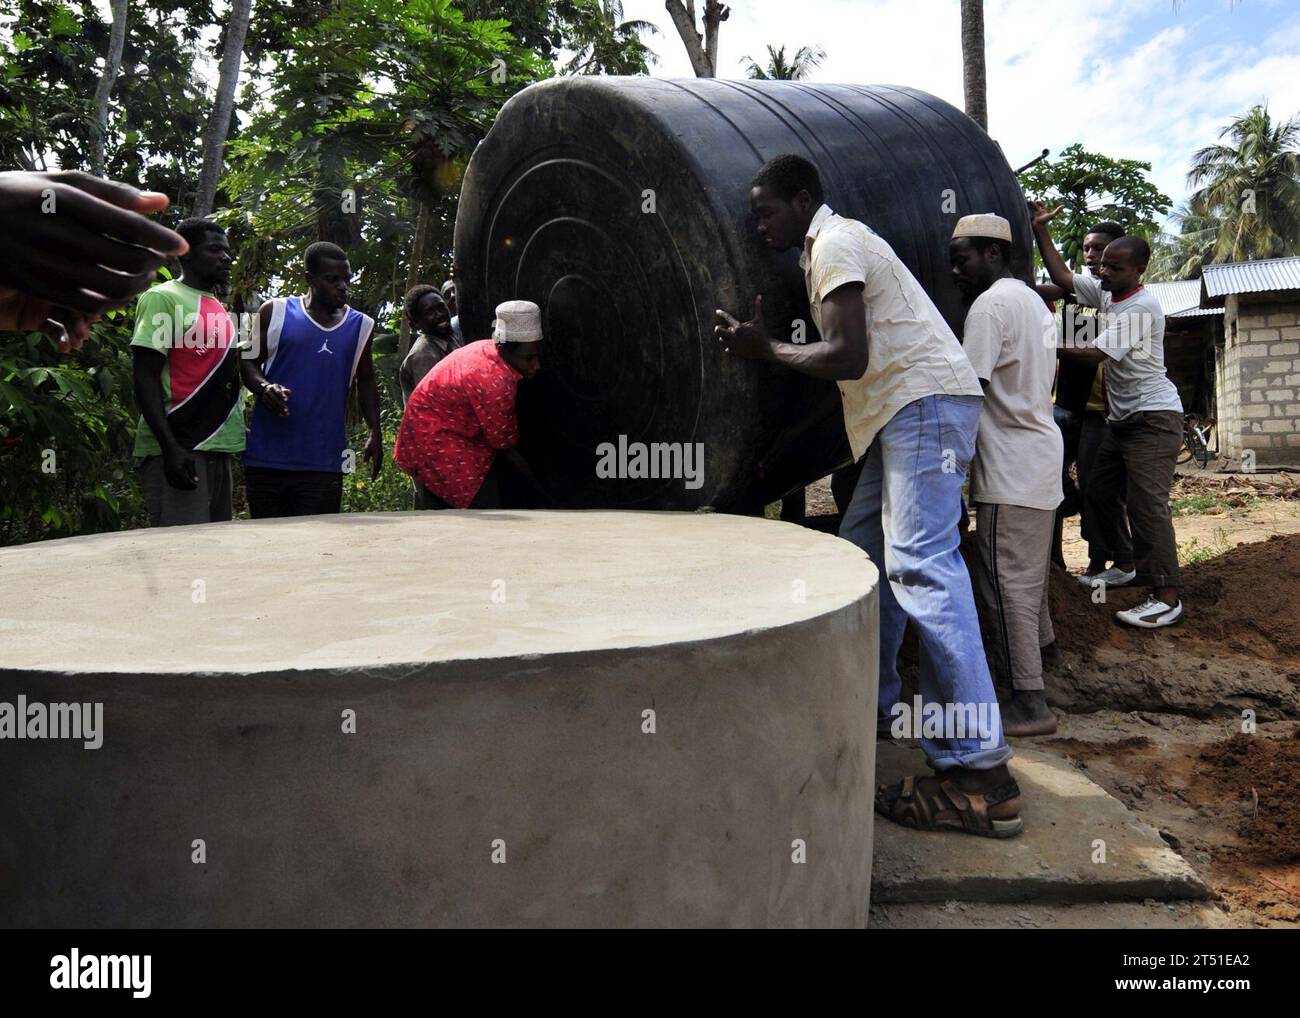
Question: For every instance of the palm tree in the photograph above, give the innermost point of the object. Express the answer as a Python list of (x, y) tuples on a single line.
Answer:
[(806, 60), (1182, 255), (606, 44), (1251, 183), (974, 83)]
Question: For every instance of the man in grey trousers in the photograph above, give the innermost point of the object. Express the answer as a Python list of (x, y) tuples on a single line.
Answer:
[(1010, 339)]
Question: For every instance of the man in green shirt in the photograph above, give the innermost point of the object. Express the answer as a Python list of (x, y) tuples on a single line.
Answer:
[(186, 373)]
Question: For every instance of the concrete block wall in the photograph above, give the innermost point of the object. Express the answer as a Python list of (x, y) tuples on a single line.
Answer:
[(1259, 379), (1227, 374)]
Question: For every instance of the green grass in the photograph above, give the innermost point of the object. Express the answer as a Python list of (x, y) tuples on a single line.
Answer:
[(1208, 503), (1195, 550)]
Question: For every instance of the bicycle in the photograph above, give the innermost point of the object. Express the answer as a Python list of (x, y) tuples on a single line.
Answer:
[(1196, 439)]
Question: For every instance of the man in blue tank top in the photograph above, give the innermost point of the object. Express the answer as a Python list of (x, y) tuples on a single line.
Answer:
[(312, 349)]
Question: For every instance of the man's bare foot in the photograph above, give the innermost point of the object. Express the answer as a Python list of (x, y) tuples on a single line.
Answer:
[(1028, 714)]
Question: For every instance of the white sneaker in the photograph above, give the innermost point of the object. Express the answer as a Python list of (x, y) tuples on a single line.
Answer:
[(1152, 614), (1112, 577)]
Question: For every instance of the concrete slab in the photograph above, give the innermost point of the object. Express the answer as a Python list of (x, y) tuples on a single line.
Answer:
[(1080, 844)]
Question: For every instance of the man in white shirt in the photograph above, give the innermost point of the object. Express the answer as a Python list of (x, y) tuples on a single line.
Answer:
[(1145, 415), (1010, 339), (911, 409)]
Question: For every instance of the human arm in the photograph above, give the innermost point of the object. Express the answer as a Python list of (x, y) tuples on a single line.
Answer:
[(406, 379), (1084, 354), (1040, 216), (146, 376), (842, 354), (368, 397), (983, 338), (275, 397)]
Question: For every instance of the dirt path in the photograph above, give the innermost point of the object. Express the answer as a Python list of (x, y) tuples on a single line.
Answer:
[(1213, 514)]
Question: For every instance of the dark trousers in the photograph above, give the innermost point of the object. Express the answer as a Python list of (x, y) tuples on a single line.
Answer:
[(487, 497), (273, 493), (209, 502), (1091, 434), (1068, 423), (1136, 461)]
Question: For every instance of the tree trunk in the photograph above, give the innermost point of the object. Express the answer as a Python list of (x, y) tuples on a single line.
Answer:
[(412, 277), (112, 65), (683, 16), (972, 61), (214, 138), (715, 13)]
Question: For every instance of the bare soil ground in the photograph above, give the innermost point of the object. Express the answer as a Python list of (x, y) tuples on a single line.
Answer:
[(1222, 799), (1162, 720)]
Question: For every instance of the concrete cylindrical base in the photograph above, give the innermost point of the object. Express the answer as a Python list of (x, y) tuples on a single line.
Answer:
[(490, 719)]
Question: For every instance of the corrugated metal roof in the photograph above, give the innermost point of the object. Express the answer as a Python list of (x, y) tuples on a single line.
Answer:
[(1177, 296), (1250, 277)]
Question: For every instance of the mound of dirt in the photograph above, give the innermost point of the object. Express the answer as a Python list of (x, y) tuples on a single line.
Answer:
[(1233, 600), (1080, 625), (1252, 588), (1262, 775), (1238, 649)]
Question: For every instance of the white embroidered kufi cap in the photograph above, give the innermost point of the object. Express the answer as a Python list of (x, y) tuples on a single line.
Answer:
[(517, 321), (986, 224)]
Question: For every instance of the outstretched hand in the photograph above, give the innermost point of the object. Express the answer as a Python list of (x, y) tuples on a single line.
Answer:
[(74, 247), (746, 339), (1039, 213)]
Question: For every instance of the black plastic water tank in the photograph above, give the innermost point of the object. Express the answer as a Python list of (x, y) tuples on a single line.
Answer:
[(621, 207)]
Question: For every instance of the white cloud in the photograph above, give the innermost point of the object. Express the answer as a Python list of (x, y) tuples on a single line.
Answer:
[(1129, 78)]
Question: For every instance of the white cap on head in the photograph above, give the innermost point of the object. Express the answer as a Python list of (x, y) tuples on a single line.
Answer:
[(518, 321), (986, 224)]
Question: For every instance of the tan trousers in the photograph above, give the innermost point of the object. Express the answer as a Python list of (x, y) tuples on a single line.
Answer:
[(1015, 546)]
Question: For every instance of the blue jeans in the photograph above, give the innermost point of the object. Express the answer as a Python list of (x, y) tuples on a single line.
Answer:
[(904, 514)]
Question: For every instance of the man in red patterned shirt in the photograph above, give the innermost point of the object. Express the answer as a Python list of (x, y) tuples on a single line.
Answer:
[(463, 413)]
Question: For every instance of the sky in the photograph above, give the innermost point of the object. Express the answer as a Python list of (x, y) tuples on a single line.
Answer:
[(1133, 79)]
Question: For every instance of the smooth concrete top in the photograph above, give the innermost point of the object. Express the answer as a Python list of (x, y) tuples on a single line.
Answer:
[(388, 589)]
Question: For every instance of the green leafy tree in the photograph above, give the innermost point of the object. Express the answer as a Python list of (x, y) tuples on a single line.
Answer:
[(66, 429), (1182, 255), (781, 68), (368, 111), (1093, 187), (605, 43), (352, 122), (1250, 182), (48, 80), (67, 424)]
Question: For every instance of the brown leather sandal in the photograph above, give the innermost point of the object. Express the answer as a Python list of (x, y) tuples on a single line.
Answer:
[(937, 804)]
